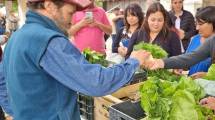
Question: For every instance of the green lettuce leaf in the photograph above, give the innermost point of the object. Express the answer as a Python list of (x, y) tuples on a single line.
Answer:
[(211, 73), (183, 107), (156, 51)]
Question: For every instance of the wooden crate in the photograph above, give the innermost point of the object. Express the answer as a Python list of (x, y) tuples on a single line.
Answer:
[(102, 104)]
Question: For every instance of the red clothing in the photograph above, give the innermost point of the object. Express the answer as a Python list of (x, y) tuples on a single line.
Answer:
[(90, 37)]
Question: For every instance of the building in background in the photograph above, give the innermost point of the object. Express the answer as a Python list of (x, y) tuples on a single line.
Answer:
[(111, 4), (190, 5)]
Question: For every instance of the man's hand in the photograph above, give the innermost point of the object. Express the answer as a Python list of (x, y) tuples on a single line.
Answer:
[(141, 56), (122, 50), (155, 64)]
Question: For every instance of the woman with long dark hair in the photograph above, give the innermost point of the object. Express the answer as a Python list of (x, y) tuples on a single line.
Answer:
[(133, 16), (156, 31)]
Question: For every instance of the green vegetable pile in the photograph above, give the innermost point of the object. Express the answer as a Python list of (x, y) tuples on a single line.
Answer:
[(158, 53), (166, 96), (163, 74), (211, 73), (166, 100), (95, 57)]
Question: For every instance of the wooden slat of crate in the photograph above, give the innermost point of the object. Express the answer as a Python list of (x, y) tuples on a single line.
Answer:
[(102, 103)]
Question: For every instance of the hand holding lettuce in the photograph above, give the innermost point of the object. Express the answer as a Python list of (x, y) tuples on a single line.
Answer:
[(158, 53)]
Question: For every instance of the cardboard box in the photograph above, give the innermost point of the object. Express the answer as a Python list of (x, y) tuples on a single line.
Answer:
[(102, 104)]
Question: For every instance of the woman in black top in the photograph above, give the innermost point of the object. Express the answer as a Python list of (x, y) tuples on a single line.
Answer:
[(133, 16), (155, 31), (183, 21)]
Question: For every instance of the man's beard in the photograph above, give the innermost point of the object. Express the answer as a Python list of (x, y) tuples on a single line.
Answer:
[(61, 26)]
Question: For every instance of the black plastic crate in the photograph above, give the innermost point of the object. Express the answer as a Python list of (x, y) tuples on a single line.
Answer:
[(86, 104), (138, 76), (126, 111), (87, 116)]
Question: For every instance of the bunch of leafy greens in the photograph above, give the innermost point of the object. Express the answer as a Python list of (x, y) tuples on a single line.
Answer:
[(155, 50), (95, 57), (211, 73), (163, 74), (178, 100)]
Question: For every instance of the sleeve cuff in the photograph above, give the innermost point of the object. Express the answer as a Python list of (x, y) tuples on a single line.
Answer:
[(133, 61)]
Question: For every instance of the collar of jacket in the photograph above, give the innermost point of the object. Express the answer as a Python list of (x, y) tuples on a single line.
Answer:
[(33, 17), (173, 13)]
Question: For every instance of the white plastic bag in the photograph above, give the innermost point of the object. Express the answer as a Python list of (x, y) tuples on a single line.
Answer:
[(113, 57)]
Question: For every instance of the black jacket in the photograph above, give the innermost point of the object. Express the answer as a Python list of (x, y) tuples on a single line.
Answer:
[(171, 44), (119, 36), (117, 40), (187, 24)]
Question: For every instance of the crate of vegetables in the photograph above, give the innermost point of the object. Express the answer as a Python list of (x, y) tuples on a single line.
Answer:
[(165, 100), (102, 104), (165, 96)]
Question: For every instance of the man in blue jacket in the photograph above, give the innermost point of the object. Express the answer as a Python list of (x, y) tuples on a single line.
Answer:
[(44, 71)]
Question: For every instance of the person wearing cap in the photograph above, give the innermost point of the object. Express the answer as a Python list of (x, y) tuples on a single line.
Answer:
[(91, 21), (44, 71)]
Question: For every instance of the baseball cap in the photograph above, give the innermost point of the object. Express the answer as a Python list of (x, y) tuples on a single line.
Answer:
[(80, 3)]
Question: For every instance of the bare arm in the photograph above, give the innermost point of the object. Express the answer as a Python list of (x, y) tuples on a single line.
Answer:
[(76, 27), (117, 17), (106, 28)]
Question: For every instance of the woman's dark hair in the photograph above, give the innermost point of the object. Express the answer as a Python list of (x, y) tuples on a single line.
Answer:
[(40, 5), (169, 21), (135, 10), (153, 8), (206, 15)]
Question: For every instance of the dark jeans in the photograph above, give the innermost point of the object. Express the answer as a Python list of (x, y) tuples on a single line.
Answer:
[(1, 114), (113, 37)]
